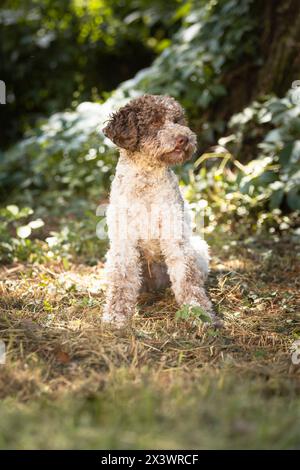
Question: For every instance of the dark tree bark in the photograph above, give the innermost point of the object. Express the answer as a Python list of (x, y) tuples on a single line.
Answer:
[(273, 68), (280, 46)]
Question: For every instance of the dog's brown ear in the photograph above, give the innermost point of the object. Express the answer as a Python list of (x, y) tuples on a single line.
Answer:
[(122, 129)]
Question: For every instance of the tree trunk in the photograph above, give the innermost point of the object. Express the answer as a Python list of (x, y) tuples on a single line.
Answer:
[(280, 46)]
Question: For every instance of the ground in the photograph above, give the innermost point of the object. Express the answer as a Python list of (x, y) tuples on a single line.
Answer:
[(164, 383)]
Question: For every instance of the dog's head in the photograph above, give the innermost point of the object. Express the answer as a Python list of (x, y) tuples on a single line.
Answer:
[(154, 126)]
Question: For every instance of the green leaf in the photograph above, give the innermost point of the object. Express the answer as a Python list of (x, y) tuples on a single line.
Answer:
[(24, 231), (34, 224), (14, 210), (190, 312), (273, 136), (285, 154), (293, 199), (276, 199)]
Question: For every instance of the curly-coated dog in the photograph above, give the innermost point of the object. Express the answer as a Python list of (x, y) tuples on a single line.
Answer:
[(151, 241)]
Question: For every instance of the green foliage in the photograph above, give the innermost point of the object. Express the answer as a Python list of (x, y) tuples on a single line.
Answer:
[(64, 155), (22, 238), (66, 152), (64, 165), (265, 192), (215, 36), (15, 230), (275, 175), (194, 314), (56, 53), (76, 240)]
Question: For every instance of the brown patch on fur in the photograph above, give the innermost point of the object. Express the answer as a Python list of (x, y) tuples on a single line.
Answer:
[(122, 129), (140, 119)]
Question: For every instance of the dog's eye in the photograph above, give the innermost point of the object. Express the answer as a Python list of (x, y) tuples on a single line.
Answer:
[(179, 120)]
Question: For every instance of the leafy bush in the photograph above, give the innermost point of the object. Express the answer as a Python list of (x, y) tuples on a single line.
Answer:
[(64, 165), (15, 230), (262, 191), (214, 37), (275, 175), (24, 238), (76, 240), (56, 53), (64, 155)]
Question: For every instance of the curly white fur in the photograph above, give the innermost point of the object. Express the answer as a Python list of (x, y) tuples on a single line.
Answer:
[(151, 240)]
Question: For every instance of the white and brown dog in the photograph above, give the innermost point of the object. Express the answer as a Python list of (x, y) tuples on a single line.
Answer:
[(151, 240)]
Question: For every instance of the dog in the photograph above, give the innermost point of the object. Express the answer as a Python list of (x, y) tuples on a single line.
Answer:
[(151, 241)]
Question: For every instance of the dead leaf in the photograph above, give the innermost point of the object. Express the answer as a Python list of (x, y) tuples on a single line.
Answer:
[(62, 357)]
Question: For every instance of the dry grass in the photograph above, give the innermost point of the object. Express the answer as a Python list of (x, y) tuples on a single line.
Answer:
[(58, 352)]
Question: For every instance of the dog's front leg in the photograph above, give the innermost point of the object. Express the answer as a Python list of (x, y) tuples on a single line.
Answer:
[(123, 274), (186, 274)]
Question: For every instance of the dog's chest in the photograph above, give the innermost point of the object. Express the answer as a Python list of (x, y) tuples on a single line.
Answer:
[(150, 189), (148, 207)]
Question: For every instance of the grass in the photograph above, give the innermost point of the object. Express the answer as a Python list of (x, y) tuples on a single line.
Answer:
[(164, 383)]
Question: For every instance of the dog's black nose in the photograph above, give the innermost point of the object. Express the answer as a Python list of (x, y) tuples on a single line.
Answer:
[(181, 141)]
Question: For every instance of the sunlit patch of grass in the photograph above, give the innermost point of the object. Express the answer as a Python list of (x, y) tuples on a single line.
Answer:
[(164, 382)]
